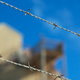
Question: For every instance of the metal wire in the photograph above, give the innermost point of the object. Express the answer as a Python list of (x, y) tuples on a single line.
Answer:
[(26, 12), (29, 67), (32, 68)]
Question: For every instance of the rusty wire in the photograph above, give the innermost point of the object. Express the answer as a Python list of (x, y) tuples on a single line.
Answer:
[(29, 67), (26, 12), (32, 68)]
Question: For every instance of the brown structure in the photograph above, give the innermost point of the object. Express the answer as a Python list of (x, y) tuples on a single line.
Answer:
[(12, 72), (39, 57)]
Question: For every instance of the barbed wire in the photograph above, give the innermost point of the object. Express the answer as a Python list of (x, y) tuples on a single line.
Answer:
[(29, 67), (35, 69), (26, 12)]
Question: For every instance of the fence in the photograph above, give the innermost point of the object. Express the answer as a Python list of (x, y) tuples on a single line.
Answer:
[(55, 25)]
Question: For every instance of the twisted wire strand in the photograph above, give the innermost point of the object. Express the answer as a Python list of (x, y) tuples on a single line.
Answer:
[(32, 68), (29, 67), (26, 12)]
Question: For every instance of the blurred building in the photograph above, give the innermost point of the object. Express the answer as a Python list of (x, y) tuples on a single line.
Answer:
[(42, 56), (10, 40)]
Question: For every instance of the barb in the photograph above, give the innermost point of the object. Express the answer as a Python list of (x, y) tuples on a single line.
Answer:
[(26, 12), (59, 77), (32, 68), (55, 26), (29, 66)]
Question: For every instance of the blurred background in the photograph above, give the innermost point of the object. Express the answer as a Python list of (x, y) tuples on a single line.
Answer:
[(30, 41)]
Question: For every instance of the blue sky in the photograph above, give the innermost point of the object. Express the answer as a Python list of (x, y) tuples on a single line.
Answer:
[(64, 13)]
